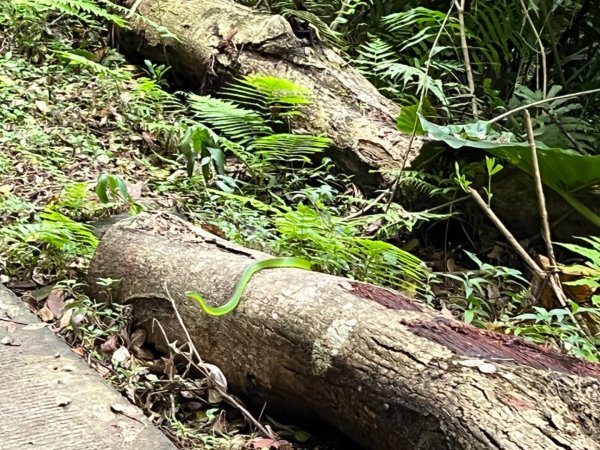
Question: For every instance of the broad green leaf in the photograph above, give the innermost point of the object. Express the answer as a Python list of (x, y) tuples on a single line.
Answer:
[(408, 121), (565, 171)]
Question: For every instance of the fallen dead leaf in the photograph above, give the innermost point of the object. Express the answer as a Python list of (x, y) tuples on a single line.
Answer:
[(487, 368), (56, 302), (45, 314), (120, 356), (42, 106), (126, 409), (78, 350), (65, 320), (261, 443), (138, 337), (142, 353), (110, 346), (135, 190), (68, 368)]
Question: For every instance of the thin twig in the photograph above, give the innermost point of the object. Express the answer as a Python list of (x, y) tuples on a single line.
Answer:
[(542, 50), (460, 7), (421, 98), (507, 234), (450, 203), (557, 60), (366, 208), (7, 319), (540, 102), (539, 190), (201, 367), (561, 127)]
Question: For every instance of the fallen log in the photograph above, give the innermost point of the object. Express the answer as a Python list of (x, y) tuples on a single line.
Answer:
[(382, 368), (220, 40)]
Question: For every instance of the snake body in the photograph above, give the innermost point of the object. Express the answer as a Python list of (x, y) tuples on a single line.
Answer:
[(288, 262)]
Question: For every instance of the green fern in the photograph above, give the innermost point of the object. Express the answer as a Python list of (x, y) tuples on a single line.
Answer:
[(417, 27), (85, 10), (591, 269), (250, 134), (332, 243), (276, 96), (378, 59), (237, 123), (289, 147), (59, 233)]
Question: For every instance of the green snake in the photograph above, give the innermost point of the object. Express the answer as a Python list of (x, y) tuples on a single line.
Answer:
[(291, 262)]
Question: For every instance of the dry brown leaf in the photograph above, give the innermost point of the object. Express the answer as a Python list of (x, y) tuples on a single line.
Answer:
[(45, 314), (78, 350), (261, 443), (110, 345), (56, 302), (65, 320)]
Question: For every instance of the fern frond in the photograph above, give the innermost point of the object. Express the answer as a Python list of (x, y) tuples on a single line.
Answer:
[(55, 230), (81, 9), (495, 31), (268, 93), (239, 124), (420, 24), (289, 147), (332, 243), (374, 53)]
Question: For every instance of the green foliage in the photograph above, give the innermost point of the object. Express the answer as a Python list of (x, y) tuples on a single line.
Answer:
[(112, 186), (408, 49), (401, 80), (92, 323), (486, 292), (84, 10), (333, 245), (591, 270), (556, 325), (565, 171), (55, 236), (252, 135)]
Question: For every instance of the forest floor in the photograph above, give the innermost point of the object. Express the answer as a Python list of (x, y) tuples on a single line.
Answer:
[(74, 112), (65, 123)]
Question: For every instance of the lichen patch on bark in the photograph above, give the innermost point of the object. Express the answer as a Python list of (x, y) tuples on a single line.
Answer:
[(334, 339)]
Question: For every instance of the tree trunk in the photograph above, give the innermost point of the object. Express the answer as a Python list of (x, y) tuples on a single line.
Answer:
[(382, 368), (220, 40)]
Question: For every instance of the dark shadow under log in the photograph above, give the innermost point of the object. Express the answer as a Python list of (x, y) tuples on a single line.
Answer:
[(382, 368)]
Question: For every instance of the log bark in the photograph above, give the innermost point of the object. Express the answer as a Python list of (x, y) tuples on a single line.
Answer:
[(220, 40), (379, 366)]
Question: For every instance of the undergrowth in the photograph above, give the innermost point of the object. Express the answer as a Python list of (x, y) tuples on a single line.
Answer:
[(85, 135)]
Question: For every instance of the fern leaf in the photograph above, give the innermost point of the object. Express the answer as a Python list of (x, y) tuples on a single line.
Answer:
[(289, 147), (239, 124)]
